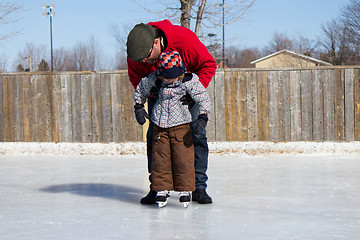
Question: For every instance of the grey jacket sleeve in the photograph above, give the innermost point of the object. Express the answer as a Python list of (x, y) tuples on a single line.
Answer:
[(142, 91), (198, 93)]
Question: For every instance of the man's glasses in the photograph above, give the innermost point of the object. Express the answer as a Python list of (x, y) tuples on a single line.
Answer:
[(148, 56)]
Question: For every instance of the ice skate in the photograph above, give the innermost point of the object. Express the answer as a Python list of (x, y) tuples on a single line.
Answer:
[(161, 198), (185, 198)]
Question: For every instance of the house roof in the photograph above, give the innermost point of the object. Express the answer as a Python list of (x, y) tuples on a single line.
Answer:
[(292, 53)]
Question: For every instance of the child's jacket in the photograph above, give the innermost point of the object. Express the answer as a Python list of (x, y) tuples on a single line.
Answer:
[(168, 110)]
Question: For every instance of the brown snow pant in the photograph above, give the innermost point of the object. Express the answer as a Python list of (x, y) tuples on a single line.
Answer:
[(172, 165)]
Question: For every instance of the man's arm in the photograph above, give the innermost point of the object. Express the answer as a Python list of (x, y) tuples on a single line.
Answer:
[(195, 55)]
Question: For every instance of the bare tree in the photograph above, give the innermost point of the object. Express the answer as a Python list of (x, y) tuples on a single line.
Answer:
[(299, 44), (62, 60), (212, 16), (3, 63), (20, 68), (120, 36), (205, 13), (279, 42), (85, 56), (334, 43), (121, 63), (82, 57), (7, 11), (305, 46), (242, 58), (185, 16), (351, 22), (43, 66), (351, 19), (31, 56)]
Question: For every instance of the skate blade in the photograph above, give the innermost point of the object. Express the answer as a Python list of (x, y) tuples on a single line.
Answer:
[(161, 204), (186, 204)]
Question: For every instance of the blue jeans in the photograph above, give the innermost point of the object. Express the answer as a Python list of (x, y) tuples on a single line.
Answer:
[(200, 147)]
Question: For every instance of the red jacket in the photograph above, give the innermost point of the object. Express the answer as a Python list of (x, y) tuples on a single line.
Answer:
[(194, 54)]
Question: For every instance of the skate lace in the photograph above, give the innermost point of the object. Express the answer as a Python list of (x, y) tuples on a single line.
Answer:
[(163, 193), (184, 194)]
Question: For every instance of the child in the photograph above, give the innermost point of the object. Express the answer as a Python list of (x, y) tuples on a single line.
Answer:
[(172, 165)]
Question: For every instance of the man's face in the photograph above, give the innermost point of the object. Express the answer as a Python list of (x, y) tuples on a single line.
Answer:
[(154, 53)]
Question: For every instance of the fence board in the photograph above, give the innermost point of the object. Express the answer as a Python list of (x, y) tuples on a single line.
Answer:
[(357, 104), (96, 109), (56, 118), (45, 89), (117, 120), (318, 105), (76, 107), (41, 111), (295, 106), (28, 117), (306, 105), (274, 116), (329, 105), (219, 109), (284, 106), (243, 107), (210, 128), (262, 106), (127, 105), (18, 111), (8, 108), (235, 97), (349, 104), (252, 106), (125, 90), (2, 116), (85, 106), (230, 98), (66, 108), (339, 105)]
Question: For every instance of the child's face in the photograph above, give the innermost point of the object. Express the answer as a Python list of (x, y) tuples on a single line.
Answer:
[(170, 80)]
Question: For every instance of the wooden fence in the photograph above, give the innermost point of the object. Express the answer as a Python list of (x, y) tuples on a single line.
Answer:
[(314, 104)]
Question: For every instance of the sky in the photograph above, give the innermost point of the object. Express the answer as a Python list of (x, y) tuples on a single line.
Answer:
[(78, 20)]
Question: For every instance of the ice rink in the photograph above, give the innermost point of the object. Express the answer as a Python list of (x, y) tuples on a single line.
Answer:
[(255, 197)]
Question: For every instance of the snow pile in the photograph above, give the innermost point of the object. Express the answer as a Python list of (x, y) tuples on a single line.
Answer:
[(46, 148), (285, 148), (222, 148)]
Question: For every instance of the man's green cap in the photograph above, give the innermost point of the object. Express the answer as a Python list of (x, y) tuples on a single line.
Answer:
[(139, 42)]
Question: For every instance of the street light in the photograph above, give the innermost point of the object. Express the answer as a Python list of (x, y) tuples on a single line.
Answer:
[(51, 14), (223, 31)]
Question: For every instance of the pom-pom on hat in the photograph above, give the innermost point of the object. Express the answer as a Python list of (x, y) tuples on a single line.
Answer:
[(171, 65), (139, 41)]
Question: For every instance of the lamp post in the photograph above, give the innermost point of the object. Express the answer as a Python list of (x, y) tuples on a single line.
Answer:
[(51, 14), (223, 20), (223, 31)]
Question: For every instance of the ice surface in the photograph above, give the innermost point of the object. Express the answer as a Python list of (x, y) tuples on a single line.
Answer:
[(260, 197)]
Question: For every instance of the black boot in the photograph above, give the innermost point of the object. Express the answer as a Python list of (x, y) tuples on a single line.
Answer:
[(149, 198), (200, 196)]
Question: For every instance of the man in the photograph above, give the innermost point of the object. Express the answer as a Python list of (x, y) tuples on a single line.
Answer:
[(145, 43)]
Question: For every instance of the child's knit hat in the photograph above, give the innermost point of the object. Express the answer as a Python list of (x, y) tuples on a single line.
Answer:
[(171, 65)]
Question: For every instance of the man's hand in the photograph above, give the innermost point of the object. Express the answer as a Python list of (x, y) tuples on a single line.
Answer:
[(198, 126), (140, 113), (187, 100)]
